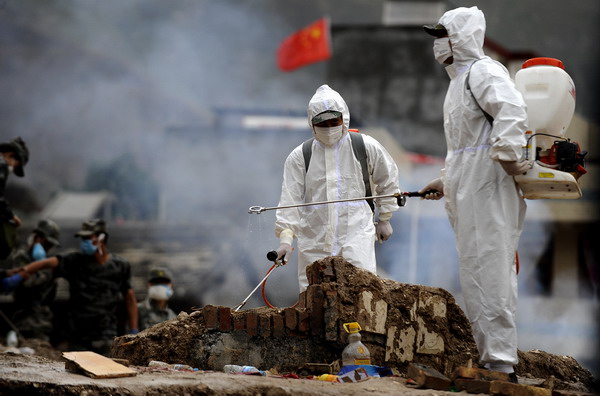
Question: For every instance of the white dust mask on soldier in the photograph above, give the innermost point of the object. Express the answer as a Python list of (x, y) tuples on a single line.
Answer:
[(441, 49), (329, 135), (160, 292)]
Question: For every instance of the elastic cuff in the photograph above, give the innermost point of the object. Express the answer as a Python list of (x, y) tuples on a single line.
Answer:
[(286, 236), (385, 216)]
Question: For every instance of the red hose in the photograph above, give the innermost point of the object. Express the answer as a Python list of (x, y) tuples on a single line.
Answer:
[(264, 295)]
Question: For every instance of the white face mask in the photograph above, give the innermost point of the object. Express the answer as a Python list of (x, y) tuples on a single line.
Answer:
[(11, 169), (441, 49), (329, 135), (160, 292)]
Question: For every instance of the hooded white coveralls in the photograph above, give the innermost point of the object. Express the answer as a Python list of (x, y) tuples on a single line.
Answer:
[(345, 228), (483, 202)]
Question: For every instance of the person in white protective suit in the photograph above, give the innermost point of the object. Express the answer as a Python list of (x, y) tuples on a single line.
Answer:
[(345, 229), (483, 202)]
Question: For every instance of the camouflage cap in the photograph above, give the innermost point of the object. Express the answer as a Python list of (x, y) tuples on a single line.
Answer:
[(160, 274), (92, 227), (49, 230), (326, 116), (437, 30), (17, 146)]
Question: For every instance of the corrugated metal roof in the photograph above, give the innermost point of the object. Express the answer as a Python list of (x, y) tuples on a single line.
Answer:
[(78, 206)]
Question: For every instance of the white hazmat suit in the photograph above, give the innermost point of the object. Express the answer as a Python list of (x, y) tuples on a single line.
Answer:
[(344, 228), (482, 201)]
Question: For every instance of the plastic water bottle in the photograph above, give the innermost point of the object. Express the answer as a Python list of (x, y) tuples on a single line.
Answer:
[(233, 368), (178, 367), (11, 339), (355, 352)]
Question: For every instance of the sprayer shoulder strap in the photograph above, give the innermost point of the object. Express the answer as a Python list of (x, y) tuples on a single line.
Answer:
[(360, 153), (486, 114)]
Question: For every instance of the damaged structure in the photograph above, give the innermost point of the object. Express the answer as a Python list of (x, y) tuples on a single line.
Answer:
[(400, 324), (403, 325), (419, 332)]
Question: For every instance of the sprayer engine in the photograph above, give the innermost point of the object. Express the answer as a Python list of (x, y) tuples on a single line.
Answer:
[(564, 155)]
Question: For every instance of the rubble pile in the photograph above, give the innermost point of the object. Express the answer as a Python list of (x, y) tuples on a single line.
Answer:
[(418, 336), (401, 324)]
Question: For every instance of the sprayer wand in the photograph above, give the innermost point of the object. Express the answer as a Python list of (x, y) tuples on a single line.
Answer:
[(401, 197)]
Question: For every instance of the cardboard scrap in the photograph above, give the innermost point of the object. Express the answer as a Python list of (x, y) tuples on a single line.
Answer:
[(358, 375), (94, 365)]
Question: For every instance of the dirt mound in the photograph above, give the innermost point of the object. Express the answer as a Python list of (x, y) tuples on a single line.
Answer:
[(562, 372), (401, 323)]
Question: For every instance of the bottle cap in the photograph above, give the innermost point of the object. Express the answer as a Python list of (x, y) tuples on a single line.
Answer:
[(353, 327)]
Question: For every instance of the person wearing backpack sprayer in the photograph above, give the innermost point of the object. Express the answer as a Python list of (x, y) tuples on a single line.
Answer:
[(485, 119), (335, 164)]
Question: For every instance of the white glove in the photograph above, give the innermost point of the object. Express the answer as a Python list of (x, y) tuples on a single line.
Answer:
[(383, 230), (284, 252), (434, 185), (515, 168)]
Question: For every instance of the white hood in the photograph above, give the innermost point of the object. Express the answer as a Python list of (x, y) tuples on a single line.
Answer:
[(466, 30), (324, 99)]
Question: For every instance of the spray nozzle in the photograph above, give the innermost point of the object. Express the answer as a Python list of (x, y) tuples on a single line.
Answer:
[(272, 256)]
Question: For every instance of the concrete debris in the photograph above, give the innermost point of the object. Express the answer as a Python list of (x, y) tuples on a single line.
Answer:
[(413, 331), (401, 324)]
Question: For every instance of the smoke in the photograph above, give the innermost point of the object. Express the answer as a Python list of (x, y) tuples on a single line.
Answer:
[(167, 83), (164, 84)]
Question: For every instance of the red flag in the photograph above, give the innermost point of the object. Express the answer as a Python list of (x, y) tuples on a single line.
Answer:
[(308, 45)]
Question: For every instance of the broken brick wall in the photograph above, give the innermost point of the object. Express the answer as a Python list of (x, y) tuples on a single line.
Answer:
[(400, 323)]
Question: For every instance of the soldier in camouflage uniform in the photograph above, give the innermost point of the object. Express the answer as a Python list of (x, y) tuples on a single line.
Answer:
[(33, 316), (98, 282), (154, 308), (13, 157)]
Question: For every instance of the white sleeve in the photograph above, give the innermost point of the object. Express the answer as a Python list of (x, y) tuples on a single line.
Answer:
[(497, 95), (384, 174), (292, 192)]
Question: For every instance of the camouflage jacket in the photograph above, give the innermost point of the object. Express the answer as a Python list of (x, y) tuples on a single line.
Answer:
[(96, 290), (149, 314), (39, 288)]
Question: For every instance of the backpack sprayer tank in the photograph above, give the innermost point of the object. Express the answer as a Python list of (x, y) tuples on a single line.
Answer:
[(549, 93)]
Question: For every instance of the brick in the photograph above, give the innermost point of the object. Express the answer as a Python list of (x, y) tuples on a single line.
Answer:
[(510, 389), (472, 385), (303, 321), (291, 318), (224, 319), (301, 300), (251, 324), (327, 272), (264, 326), (278, 325), (479, 374), (311, 274), (239, 323), (331, 315), (211, 318), (428, 377), (315, 299)]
